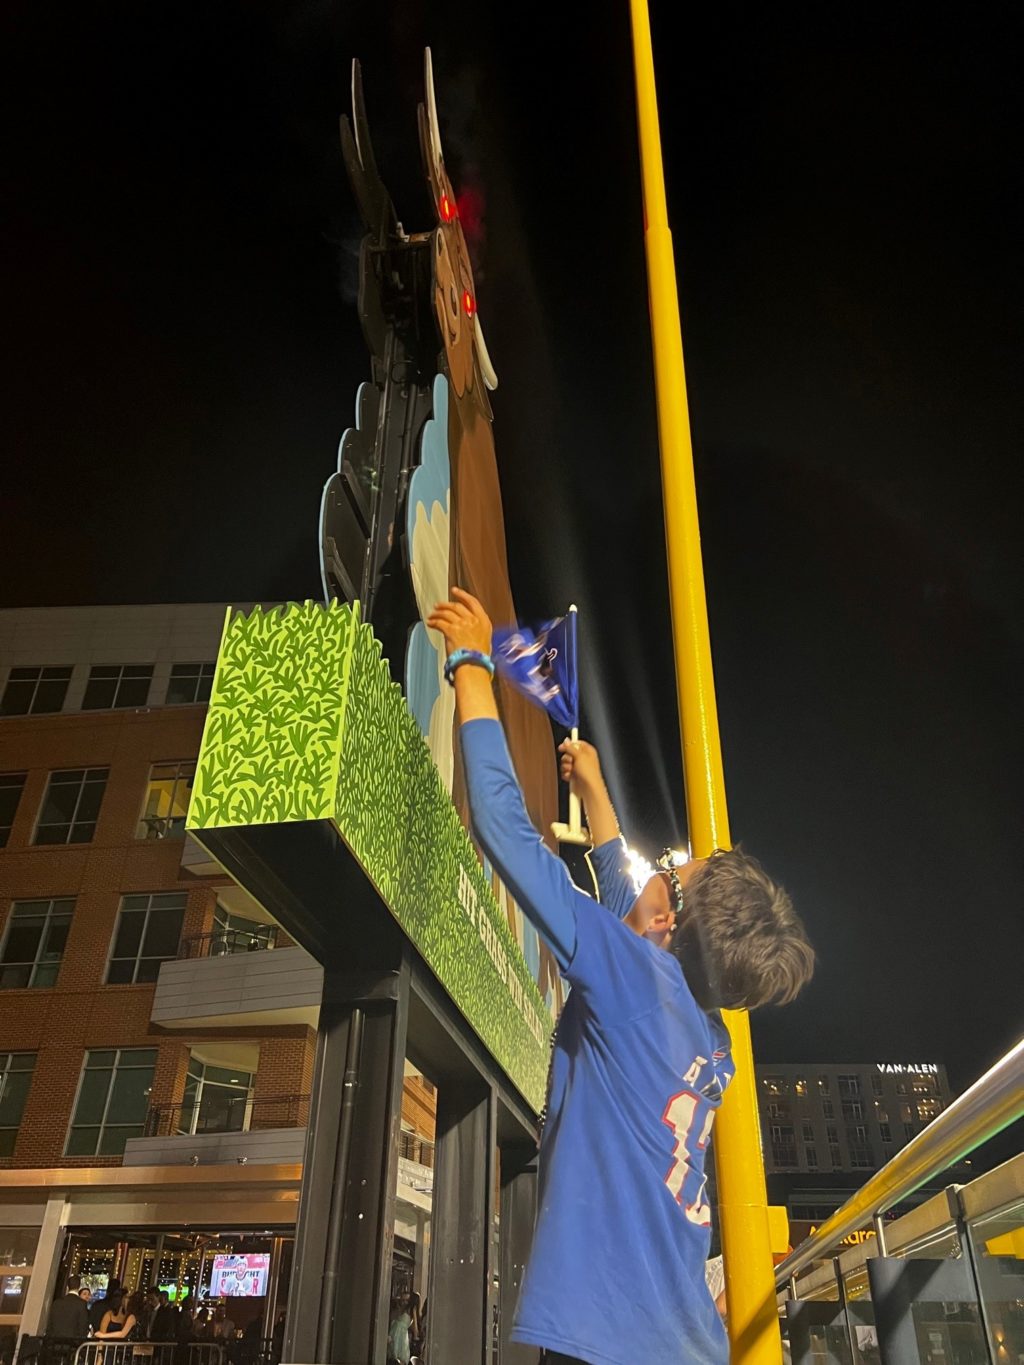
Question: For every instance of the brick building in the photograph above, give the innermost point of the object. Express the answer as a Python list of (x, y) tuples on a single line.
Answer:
[(145, 1023)]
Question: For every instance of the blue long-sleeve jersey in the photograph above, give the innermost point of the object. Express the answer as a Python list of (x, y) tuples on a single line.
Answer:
[(616, 1272)]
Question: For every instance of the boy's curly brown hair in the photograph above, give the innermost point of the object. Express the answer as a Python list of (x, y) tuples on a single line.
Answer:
[(741, 944)]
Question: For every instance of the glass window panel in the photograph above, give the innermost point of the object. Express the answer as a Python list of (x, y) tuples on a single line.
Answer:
[(92, 794), (129, 1095), (112, 1140), (14, 978), (103, 1057), (147, 969), (121, 971), (61, 799), (23, 939), (134, 691), (11, 787), (163, 933), (23, 1061), (13, 1093), (82, 1141), (18, 694), (129, 933), (55, 939), (45, 975), (92, 1096), (139, 1056), (99, 693), (8, 1137), (49, 696), (82, 833), (51, 834)]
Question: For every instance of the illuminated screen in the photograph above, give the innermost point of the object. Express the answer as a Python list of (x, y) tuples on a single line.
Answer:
[(240, 1277)]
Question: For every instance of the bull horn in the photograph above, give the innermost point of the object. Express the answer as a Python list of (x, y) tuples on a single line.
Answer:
[(486, 368)]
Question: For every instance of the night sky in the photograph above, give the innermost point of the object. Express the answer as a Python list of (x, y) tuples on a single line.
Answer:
[(845, 195)]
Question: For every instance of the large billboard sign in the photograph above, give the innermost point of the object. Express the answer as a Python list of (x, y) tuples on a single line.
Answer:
[(305, 723)]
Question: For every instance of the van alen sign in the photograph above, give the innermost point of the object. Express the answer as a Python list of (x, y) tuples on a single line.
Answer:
[(910, 1068)]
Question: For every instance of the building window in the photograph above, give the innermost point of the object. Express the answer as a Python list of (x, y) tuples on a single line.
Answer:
[(775, 1110), (11, 787), (862, 1158), (112, 686), (147, 935), (35, 691), (800, 1086), (34, 943), (190, 683), (908, 1131), (881, 1113), (783, 1144), (808, 1132), (218, 1099), (15, 1079), (853, 1109), (113, 1096), (906, 1113), (885, 1132), (849, 1086), (928, 1110), (832, 1132), (876, 1084), (861, 1155), (902, 1088), (775, 1085), (811, 1158), (828, 1109), (166, 804), (924, 1085), (833, 1154), (71, 806), (823, 1085)]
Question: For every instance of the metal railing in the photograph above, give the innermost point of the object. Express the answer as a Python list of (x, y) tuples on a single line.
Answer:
[(227, 942), (234, 1114), (149, 1353), (985, 1109)]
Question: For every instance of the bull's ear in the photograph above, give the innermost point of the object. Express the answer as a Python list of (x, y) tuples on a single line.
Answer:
[(375, 206)]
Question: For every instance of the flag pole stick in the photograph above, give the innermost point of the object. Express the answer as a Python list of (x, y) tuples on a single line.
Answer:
[(742, 1200), (573, 832)]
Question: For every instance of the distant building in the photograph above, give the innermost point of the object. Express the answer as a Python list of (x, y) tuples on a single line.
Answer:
[(157, 1027), (848, 1117)]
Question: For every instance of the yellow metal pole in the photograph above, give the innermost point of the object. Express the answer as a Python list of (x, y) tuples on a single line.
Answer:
[(739, 1167)]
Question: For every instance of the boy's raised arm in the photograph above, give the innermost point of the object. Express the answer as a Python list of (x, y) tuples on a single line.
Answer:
[(539, 881)]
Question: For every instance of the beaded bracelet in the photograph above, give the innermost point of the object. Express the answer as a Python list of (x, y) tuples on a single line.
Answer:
[(458, 657)]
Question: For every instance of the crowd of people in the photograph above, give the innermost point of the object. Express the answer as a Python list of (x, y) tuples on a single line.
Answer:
[(150, 1315)]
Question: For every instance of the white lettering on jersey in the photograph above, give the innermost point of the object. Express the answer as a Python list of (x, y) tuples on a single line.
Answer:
[(693, 1075), (680, 1115)]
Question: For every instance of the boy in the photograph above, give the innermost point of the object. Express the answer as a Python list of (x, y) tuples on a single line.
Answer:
[(616, 1272)]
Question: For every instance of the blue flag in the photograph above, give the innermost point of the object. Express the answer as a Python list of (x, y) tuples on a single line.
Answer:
[(542, 666)]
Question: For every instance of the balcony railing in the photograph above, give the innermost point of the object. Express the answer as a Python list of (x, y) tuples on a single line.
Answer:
[(416, 1148), (232, 1114), (225, 942)]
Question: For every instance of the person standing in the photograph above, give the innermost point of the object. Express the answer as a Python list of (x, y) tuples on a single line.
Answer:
[(69, 1317), (642, 1056)]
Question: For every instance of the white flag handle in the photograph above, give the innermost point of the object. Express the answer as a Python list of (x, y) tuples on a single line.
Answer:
[(573, 832)]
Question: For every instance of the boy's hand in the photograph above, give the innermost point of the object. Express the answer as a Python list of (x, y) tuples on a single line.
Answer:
[(580, 766), (463, 623)]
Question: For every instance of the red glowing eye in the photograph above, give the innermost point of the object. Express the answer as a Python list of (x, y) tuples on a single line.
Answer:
[(468, 304), (448, 209)]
